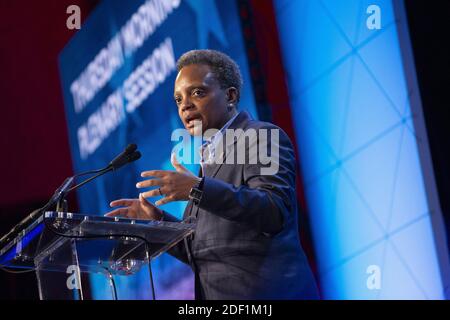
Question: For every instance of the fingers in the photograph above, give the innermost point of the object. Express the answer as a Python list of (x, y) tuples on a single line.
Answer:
[(164, 201), (152, 193), (121, 203), (143, 200), (176, 164), (155, 173), (149, 183), (123, 212)]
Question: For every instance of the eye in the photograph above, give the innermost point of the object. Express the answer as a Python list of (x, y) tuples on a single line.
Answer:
[(177, 100), (198, 93)]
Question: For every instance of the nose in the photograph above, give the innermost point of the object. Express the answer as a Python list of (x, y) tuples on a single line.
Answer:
[(186, 104)]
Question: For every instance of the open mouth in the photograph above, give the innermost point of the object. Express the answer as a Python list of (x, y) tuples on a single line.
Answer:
[(191, 119)]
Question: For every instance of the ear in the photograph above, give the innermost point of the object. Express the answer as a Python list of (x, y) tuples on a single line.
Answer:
[(232, 95)]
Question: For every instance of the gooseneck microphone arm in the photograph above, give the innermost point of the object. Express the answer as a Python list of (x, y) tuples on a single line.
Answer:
[(132, 157), (129, 155)]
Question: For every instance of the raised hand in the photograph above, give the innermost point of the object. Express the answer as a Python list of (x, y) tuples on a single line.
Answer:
[(173, 185)]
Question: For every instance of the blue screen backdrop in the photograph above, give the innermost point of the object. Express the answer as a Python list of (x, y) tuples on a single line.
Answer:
[(117, 77)]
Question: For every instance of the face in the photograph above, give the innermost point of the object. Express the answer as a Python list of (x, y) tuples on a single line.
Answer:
[(199, 98)]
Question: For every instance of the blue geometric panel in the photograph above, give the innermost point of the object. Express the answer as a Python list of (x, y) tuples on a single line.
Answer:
[(363, 179)]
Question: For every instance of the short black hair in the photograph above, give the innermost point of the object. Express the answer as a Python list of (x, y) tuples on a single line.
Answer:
[(223, 67)]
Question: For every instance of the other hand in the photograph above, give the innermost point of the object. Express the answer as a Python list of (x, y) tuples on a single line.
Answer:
[(135, 209)]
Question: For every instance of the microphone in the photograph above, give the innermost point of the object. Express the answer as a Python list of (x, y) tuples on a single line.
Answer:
[(124, 157), (134, 156), (127, 156)]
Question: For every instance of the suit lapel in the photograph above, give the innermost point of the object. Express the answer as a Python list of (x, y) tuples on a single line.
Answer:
[(211, 170), (238, 123)]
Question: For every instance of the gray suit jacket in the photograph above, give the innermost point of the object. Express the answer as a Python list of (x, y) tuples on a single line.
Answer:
[(246, 244)]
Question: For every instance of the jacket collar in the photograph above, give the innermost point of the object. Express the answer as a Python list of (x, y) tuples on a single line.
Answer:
[(239, 122)]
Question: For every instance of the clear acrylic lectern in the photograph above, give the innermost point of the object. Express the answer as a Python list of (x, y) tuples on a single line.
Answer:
[(62, 247)]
